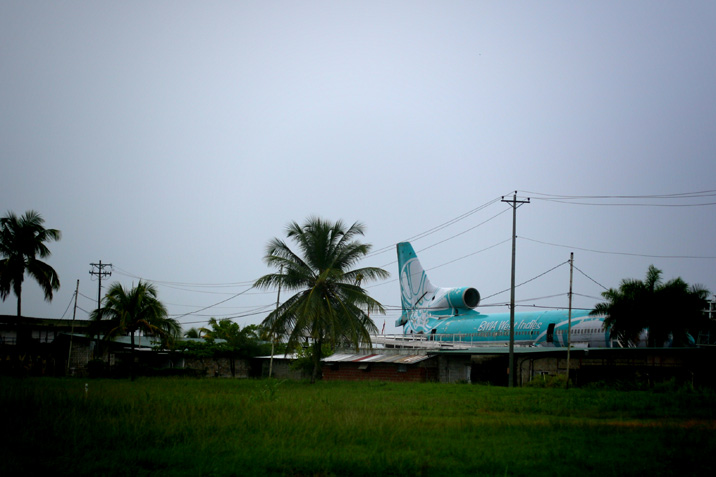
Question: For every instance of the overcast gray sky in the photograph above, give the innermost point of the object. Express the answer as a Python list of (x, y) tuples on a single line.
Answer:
[(174, 139)]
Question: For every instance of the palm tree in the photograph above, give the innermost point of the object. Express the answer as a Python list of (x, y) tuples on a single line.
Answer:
[(680, 314), (238, 342), (193, 333), (137, 309), (22, 242), (330, 306), (670, 310)]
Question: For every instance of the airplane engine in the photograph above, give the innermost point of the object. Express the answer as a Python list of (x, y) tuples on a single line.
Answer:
[(464, 297)]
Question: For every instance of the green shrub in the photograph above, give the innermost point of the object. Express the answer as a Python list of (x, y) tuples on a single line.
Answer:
[(548, 381)]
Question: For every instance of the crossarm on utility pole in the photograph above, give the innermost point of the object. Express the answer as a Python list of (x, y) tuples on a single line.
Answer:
[(514, 203)]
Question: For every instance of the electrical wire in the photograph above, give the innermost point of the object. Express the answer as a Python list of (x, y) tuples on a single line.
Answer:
[(528, 281), (184, 284), (703, 193), (618, 253), (211, 306), (82, 309), (470, 254), (85, 296), (441, 265), (592, 279), (587, 296), (570, 199), (455, 236), (68, 306), (230, 317), (253, 310), (437, 228)]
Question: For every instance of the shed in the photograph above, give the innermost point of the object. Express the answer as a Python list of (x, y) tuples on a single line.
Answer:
[(380, 367)]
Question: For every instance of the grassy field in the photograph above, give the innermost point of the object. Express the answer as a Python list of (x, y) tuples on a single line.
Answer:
[(217, 427)]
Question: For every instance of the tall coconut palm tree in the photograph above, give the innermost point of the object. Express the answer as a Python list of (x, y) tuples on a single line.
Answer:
[(329, 305), (669, 311), (22, 244), (136, 309)]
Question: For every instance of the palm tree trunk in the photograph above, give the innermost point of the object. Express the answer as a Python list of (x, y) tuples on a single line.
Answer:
[(17, 288), (133, 358), (20, 331), (316, 360)]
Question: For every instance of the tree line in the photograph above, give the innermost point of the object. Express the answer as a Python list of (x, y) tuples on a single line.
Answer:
[(329, 305)]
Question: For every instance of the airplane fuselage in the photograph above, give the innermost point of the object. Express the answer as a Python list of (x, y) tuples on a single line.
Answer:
[(534, 328), (448, 314)]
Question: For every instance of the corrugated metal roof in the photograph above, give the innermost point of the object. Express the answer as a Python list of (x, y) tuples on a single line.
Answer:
[(376, 358)]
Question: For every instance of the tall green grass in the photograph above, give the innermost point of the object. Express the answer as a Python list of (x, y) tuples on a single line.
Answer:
[(218, 427)]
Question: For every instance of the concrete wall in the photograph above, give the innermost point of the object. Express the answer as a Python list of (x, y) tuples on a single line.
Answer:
[(219, 368), (454, 368), (351, 371), (281, 369)]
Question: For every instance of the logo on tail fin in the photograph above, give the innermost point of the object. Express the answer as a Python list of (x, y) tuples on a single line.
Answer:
[(422, 302), (415, 288)]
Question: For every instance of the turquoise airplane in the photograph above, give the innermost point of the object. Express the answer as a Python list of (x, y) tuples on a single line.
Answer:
[(448, 314)]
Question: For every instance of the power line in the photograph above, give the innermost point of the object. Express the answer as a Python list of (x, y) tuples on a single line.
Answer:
[(702, 204), (527, 281), (464, 231), (618, 253), (570, 199), (703, 193), (588, 296), (385, 282), (184, 284), (438, 228), (221, 307), (68, 306), (233, 315), (470, 254), (244, 315), (457, 235), (211, 306), (85, 296), (592, 279)]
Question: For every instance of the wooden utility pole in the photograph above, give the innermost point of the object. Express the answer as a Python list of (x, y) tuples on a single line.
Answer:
[(514, 203), (100, 273), (72, 328), (273, 337), (569, 314)]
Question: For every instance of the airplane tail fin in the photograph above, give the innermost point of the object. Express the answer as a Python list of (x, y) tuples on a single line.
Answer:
[(414, 282)]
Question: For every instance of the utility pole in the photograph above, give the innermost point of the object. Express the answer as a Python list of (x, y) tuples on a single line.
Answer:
[(569, 315), (273, 337), (74, 314), (514, 203), (100, 273)]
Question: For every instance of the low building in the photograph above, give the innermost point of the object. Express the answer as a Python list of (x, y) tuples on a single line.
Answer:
[(38, 346), (380, 367)]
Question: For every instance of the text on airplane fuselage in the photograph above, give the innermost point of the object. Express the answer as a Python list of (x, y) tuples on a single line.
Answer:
[(505, 325)]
